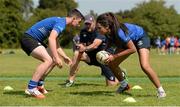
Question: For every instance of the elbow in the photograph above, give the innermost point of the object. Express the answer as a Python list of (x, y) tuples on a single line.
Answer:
[(95, 47), (133, 50)]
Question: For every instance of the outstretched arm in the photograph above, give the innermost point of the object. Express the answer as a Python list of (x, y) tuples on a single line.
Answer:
[(91, 47)]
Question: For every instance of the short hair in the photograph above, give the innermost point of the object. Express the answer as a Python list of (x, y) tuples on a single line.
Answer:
[(76, 13)]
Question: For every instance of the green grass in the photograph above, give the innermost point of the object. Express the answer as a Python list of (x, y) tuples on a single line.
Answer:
[(90, 90)]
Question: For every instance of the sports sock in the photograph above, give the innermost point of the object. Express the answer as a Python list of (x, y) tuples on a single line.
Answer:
[(32, 84), (71, 81), (160, 89), (40, 83)]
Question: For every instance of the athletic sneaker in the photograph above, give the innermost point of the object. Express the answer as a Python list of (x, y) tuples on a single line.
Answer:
[(69, 83), (161, 94), (34, 92), (122, 89), (42, 89)]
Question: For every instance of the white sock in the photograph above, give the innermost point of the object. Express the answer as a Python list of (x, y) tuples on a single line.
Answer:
[(160, 89), (71, 81), (123, 83)]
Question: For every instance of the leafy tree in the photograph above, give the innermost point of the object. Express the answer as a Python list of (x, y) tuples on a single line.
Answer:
[(156, 18), (11, 23), (27, 8)]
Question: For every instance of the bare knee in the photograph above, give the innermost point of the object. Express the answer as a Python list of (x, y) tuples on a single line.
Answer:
[(49, 61), (112, 83)]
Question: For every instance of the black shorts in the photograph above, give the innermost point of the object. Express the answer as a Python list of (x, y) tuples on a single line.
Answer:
[(105, 70), (92, 57), (28, 44), (143, 42)]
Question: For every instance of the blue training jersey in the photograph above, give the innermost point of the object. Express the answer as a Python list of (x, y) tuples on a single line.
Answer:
[(134, 33), (42, 29)]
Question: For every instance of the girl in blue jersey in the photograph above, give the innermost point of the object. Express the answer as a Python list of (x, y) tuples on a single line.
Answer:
[(51, 55), (128, 38)]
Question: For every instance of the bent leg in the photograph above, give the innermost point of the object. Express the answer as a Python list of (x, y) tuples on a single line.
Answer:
[(111, 80), (145, 65), (74, 67), (40, 53)]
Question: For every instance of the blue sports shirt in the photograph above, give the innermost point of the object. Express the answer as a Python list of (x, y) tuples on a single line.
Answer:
[(42, 29), (135, 33)]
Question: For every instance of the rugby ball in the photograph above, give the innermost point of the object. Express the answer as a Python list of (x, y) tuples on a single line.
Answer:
[(101, 56)]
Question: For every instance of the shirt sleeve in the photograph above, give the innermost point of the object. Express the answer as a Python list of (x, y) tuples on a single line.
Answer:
[(101, 37), (125, 38), (59, 27)]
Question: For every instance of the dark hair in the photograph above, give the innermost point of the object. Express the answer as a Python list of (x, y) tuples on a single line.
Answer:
[(110, 20), (76, 13)]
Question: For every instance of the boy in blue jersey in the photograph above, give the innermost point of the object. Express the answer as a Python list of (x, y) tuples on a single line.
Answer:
[(128, 38), (94, 42), (51, 55)]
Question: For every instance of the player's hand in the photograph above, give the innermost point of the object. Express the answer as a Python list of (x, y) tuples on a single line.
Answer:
[(109, 59), (58, 62), (82, 48), (68, 61)]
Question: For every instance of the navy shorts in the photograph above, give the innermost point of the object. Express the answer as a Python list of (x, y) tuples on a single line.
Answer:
[(28, 44), (143, 42)]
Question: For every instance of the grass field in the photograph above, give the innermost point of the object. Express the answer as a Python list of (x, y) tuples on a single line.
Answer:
[(89, 90)]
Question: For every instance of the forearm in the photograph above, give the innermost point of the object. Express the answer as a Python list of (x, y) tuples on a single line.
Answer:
[(53, 47), (91, 47), (96, 43), (124, 53), (61, 52)]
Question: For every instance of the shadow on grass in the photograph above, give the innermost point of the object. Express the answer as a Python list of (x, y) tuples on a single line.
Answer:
[(95, 93), (81, 84), (147, 95), (14, 92), (20, 93)]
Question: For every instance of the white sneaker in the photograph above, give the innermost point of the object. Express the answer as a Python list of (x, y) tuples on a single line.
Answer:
[(161, 94), (27, 92), (34, 92)]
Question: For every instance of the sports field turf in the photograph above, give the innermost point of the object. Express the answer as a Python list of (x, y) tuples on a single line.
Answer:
[(89, 90)]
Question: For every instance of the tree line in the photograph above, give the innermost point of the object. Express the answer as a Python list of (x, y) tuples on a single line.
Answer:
[(16, 16)]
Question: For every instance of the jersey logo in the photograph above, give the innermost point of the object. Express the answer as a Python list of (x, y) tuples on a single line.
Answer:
[(84, 35), (140, 43), (39, 43)]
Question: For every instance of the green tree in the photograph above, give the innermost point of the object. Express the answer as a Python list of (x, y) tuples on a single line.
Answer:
[(156, 18), (11, 23)]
